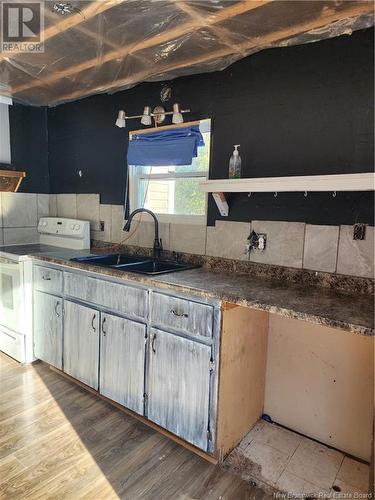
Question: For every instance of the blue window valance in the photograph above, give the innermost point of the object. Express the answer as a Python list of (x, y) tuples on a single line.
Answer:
[(165, 147)]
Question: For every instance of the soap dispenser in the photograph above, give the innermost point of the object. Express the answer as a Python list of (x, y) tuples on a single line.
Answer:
[(235, 164)]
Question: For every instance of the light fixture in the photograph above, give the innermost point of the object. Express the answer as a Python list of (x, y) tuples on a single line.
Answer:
[(64, 8), (177, 115), (158, 114), (146, 117), (120, 122)]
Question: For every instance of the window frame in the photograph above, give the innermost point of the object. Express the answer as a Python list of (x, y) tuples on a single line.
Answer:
[(135, 175)]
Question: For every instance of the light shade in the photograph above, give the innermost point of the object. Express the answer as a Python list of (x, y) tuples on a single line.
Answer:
[(120, 122), (177, 115), (146, 117)]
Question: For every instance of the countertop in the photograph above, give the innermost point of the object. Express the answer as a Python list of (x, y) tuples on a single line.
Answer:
[(353, 313), (19, 253)]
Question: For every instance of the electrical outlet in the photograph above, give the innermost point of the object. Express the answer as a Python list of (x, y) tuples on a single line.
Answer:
[(256, 241), (359, 232), (101, 224), (262, 240)]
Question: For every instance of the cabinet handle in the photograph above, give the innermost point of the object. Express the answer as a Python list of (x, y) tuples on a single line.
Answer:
[(103, 323), (179, 315), (153, 343), (46, 278), (92, 323), (56, 312)]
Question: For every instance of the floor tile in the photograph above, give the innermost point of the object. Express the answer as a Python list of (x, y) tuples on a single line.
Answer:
[(347, 489), (250, 436), (354, 473), (279, 438), (315, 463), (272, 462), (294, 485), (296, 465)]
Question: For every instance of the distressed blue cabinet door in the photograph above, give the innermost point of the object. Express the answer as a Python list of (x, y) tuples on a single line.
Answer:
[(122, 361), (81, 343), (179, 379), (48, 328)]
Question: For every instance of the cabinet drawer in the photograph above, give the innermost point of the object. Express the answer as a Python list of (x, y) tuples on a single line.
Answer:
[(47, 279), (181, 314), (117, 297), (13, 345)]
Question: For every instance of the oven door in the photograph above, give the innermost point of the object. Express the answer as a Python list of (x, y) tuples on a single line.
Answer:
[(11, 294)]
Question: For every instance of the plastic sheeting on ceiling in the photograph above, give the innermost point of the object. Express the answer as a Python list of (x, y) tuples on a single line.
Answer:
[(109, 45)]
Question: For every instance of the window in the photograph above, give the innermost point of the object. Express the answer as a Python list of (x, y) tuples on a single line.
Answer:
[(172, 192)]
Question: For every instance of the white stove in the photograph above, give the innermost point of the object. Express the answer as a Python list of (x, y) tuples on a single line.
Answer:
[(64, 233), (58, 236)]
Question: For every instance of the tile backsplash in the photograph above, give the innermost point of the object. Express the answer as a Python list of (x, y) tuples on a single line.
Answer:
[(228, 240), (19, 215), (297, 245), (285, 242), (358, 256), (321, 245)]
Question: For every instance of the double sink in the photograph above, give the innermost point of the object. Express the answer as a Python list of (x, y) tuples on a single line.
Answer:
[(128, 263)]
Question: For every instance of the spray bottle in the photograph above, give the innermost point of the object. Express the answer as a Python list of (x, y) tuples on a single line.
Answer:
[(235, 164)]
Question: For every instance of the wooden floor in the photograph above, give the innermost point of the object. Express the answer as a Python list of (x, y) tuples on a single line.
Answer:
[(57, 441)]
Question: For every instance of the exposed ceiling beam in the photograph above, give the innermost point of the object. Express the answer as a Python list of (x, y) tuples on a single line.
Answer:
[(97, 37), (325, 18), (223, 33), (71, 21), (186, 28)]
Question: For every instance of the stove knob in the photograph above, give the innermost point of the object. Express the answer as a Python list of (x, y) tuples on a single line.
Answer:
[(77, 227), (72, 226)]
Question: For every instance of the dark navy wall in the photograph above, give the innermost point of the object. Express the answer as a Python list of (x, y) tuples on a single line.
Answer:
[(29, 146), (295, 111)]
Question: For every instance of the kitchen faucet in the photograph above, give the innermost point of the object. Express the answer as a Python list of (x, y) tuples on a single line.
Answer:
[(158, 245)]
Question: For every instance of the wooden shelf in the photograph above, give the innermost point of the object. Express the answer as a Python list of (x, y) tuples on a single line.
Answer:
[(10, 180), (302, 183)]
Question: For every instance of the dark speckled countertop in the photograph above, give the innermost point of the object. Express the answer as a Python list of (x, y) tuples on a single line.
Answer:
[(353, 313)]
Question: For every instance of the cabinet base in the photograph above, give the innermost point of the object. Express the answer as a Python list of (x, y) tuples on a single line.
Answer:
[(210, 458)]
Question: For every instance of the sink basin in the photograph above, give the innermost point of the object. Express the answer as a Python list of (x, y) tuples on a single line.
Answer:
[(140, 265), (153, 267), (112, 260)]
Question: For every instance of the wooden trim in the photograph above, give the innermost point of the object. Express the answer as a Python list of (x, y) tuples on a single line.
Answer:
[(94, 9), (12, 173), (243, 353), (18, 184), (144, 420), (334, 182), (164, 127), (328, 17), (371, 488), (160, 38)]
